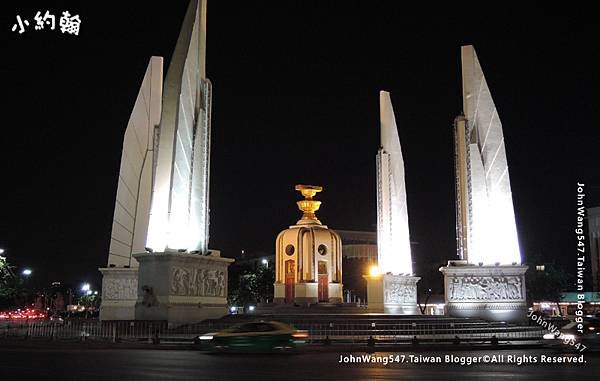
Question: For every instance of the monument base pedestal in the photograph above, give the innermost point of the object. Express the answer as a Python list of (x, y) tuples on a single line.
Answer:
[(392, 294), (119, 293), (181, 288), (493, 293), (307, 293)]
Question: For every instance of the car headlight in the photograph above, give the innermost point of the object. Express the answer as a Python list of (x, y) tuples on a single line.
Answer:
[(206, 337), (549, 336), (567, 337)]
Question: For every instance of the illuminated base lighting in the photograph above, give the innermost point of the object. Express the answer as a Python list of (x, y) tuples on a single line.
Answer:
[(374, 271)]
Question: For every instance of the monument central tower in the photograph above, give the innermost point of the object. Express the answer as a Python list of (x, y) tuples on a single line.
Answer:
[(308, 257)]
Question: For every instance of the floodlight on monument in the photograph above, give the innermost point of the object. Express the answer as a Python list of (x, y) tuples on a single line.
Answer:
[(374, 270), (1, 251), (85, 287), (26, 272)]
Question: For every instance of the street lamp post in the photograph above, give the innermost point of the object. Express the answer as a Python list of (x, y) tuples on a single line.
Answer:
[(427, 296)]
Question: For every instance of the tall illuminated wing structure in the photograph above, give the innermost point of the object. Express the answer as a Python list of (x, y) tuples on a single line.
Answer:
[(134, 189), (486, 228), (179, 214), (393, 242), (161, 215), (162, 194)]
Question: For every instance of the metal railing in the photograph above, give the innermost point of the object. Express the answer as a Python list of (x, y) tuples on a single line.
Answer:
[(348, 331), (84, 329)]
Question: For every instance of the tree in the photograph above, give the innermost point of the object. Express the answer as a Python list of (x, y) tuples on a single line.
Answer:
[(252, 286), (548, 284), (265, 277), (11, 286)]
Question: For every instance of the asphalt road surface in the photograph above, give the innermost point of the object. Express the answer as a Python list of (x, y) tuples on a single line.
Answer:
[(44, 363)]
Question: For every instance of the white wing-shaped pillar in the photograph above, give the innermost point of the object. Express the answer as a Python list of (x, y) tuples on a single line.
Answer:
[(492, 232), (179, 214), (132, 206), (393, 240), (494, 290)]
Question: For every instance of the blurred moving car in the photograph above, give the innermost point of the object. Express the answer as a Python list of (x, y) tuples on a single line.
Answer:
[(569, 335), (259, 336)]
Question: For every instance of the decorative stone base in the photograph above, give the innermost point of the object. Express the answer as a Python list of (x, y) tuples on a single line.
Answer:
[(119, 293), (308, 293), (493, 293), (181, 288), (392, 294), (278, 293), (336, 292)]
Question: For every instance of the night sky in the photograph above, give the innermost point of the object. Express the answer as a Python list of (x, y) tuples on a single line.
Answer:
[(295, 101)]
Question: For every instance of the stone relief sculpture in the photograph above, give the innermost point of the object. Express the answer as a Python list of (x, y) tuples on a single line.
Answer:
[(197, 282), (120, 288), (397, 293), (485, 288)]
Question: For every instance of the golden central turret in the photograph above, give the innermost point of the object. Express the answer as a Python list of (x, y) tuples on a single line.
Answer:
[(308, 206), (308, 258)]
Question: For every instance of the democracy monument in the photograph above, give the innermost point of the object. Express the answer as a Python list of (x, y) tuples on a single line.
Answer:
[(160, 266)]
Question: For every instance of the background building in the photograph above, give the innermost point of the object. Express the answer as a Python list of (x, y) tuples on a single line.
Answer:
[(594, 237)]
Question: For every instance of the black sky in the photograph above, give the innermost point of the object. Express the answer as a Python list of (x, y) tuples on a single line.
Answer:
[(295, 101)]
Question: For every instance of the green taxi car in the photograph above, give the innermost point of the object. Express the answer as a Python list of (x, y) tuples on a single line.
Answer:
[(260, 336)]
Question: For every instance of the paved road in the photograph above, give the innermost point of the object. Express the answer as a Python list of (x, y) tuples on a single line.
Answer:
[(155, 364)]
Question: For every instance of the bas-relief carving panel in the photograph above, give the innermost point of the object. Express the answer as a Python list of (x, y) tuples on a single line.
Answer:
[(484, 288), (398, 293), (197, 282), (119, 288)]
